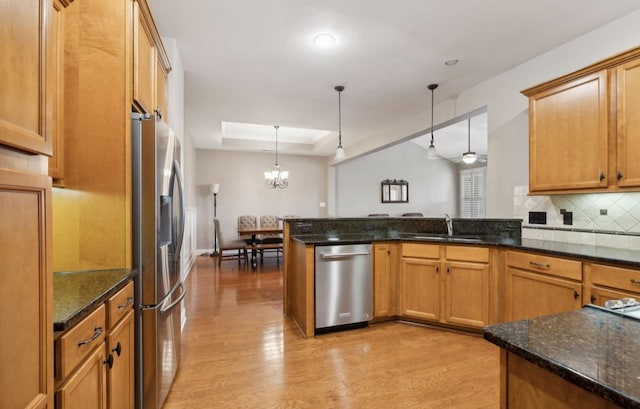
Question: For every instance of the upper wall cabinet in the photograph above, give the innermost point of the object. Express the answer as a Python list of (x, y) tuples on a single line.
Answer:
[(26, 80), (150, 62), (585, 127)]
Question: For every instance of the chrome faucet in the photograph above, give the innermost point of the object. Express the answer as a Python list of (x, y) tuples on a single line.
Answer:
[(447, 219)]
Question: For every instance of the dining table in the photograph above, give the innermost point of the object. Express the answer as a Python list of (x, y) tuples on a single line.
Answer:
[(254, 232)]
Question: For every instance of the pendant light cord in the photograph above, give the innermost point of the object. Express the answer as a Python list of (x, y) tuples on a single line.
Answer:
[(469, 135), (339, 120), (432, 87), (276, 126)]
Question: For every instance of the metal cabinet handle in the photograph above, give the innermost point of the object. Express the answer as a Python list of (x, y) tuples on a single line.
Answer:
[(128, 303), (575, 295), (634, 281), (619, 175), (539, 265), (109, 361), (593, 298), (437, 269), (117, 349), (602, 176), (97, 330), (341, 255)]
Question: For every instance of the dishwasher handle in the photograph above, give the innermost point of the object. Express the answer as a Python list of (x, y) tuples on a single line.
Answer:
[(329, 256)]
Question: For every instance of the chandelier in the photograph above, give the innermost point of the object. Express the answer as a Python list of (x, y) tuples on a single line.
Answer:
[(276, 177)]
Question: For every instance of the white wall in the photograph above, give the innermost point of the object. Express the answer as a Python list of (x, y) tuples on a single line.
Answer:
[(433, 184), (508, 131), (242, 190)]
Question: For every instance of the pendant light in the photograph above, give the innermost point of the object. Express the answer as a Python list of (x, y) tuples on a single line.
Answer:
[(340, 151), (469, 157), (431, 151), (276, 178)]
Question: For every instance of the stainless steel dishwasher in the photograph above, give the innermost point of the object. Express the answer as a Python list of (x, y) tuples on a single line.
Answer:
[(343, 286)]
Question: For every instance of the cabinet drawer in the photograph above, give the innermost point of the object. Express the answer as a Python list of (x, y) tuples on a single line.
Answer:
[(119, 304), (79, 341), (468, 253), (559, 267), (615, 277), (420, 250)]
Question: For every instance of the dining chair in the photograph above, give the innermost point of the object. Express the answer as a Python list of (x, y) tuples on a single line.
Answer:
[(228, 245), (247, 222), (270, 238)]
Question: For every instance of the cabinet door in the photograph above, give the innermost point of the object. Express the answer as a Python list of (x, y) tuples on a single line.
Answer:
[(628, 83), (467, 294), (56, 161), (86, 388), (144, 62), (531, 295), (382, 305), (568, 135), (26, 80), (26, 325), (120, 378), (599, 296), (420, 296), (162, 91)]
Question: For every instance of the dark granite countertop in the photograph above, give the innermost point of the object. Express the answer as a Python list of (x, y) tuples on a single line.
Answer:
[(77, 293), (623, 257), (592, 348)]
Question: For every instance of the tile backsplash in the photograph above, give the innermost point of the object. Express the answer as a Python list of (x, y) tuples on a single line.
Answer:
[(601, 219)]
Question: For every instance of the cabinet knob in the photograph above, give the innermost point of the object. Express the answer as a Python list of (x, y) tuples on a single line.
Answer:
[(602, 176), (117, 349), (592, 298), (575, 295), (437, 269), (109, 361), (619, 175)]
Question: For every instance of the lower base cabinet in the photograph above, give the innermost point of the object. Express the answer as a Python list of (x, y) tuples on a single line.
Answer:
[(86, 388), (539, 285), (527, 386), (447, 284), (95, 358)]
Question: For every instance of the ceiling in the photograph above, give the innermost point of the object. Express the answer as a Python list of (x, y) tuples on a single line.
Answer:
[(254, 62)]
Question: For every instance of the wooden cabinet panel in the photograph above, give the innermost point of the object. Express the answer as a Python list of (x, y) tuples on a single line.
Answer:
[(599, 296), (568, 135), (381, 280), (75, 344), (420, 288), (26, 81), (421, 250), (56, 161), (556, 266), (162, 97), (120, 377), (628, 118), (466, 294), (144, 62), (530, 294), (86, 388), (119, 305), (614, 277), (26, 324)]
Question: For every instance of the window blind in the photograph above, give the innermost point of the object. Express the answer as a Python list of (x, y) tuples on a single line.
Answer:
[(472, 192)]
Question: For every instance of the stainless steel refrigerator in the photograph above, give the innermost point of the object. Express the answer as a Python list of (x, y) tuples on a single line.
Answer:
[(158, 228)]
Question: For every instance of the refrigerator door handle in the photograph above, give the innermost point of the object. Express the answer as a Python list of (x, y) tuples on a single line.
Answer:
[(165, 298), (176, 302), (179, 231)]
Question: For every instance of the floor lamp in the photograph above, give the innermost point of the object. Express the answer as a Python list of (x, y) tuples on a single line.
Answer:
[(215, 188)]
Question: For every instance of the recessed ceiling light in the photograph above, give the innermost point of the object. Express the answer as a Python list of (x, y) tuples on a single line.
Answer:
[(451, 61), (324, 40)]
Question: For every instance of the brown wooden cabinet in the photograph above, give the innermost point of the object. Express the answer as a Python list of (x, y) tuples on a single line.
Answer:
[(584, 127), (162, 92), (95, 358), (384, 280), (86, 388), (540, 285), (144, 61), (26, 110), (603, 283), (466, 286), (420, 281)]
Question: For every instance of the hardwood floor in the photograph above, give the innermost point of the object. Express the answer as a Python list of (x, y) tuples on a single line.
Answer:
[(240, 351)]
